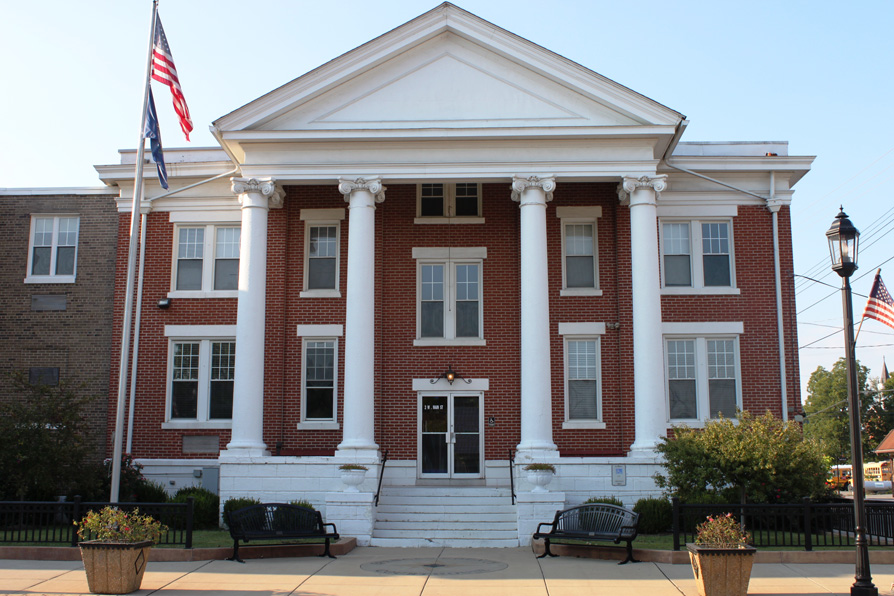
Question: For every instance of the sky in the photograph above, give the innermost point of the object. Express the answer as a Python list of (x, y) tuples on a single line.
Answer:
[(807, 72)]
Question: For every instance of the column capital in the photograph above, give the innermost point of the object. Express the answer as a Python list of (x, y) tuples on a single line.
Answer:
[(521, 184), (266, 188), (630, 183), (346, 186)]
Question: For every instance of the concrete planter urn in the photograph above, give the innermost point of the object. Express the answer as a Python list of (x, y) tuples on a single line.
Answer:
[(352, 476), (114, 568), (721, 571), (540, 475)]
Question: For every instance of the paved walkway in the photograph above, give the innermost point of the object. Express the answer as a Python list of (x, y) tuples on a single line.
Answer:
[(431, 572)]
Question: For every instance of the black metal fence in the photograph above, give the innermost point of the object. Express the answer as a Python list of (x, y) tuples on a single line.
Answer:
[(52, 522), (801, 525)]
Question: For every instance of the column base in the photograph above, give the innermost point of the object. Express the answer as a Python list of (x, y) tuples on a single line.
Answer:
[(544, 452), (237, 452), (643, 451), (358, 451)]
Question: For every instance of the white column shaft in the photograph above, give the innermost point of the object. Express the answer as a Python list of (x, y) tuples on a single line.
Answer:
[(648, 351), (359, 395), (536, 387)]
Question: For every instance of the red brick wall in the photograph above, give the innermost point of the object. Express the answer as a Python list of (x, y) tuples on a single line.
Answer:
[(398, 361)]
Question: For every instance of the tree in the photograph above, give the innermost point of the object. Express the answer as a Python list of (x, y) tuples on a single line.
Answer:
[(879, 418), (827, 410), (754, 459), (44, 443)]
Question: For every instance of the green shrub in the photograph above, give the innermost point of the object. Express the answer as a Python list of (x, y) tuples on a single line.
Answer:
[(606, 500), (149, 491), (656, 515), (303, 503), (231, 505), (207, 505)]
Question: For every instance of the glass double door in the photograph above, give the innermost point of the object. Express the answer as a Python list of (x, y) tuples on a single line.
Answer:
[(450, 438)]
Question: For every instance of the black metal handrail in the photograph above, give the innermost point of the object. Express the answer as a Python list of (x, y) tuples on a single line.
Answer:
[(381, 476), (804, 524), (511, 478), (49, 522)]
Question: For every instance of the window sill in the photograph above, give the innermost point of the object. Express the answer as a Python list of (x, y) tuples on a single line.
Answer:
[(196, 424), (309, 425), (687, 291), (50, 279), (583, 424), (698, 423), (448, 220), (320, 294), (203, 294), (580, 292), (433, 341)]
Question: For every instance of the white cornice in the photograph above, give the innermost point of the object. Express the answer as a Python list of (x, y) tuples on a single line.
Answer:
[(62, 190)]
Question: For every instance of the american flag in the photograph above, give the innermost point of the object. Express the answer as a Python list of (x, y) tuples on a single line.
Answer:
[(880, 306), (164, 71)]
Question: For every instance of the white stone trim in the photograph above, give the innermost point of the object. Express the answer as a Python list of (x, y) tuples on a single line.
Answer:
[(204, 217), (698, 211), (704, 291), (196, 425), (319, 294), (188, 331), (203, 294), (337, 214), (320, 330), (581, 328), (444, 385), (593, 212), (479, 252), (448, 220), (317, 425), (457, 341), (710, 328)]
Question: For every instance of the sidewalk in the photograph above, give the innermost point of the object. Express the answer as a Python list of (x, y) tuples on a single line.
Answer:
[(431, 572)]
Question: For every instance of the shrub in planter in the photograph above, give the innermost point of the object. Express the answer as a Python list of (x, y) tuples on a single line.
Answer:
[(655, 515), (207, 506), (606, 500), (303, 503), (232, 504)]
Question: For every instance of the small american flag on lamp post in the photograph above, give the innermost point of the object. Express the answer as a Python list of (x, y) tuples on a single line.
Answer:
[(880, 306)]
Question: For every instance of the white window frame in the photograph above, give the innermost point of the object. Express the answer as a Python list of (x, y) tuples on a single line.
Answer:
[(582, 332), (314, 218), (204, 335), (449, 258), (449, 207), (696, 254), (588, 216), (208, 259), (52, 277), (700, 333), (319, 333)]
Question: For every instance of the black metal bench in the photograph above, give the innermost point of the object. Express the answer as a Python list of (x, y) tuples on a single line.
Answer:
[(596, 521), (272, 521)]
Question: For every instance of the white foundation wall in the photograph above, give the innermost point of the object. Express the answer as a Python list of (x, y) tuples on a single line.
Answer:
[(174, 474)]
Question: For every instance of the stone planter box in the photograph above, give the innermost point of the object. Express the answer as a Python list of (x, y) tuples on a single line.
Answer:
[(721, 571), (114, 567)]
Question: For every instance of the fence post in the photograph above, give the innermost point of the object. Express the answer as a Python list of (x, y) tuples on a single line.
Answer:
[(808, 524), (676, 522), (75, 518), (190, 508)]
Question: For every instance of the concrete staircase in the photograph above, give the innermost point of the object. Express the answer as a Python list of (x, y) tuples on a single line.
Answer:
[(410, 516)]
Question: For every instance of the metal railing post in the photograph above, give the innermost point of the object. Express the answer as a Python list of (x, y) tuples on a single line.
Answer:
[(75, 517), (808, 524), (190, 510), (676, 522)]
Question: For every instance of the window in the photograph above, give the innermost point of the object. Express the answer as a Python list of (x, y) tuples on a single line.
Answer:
[(322, 252), (201, 373), (438, 202), (702, 377), (449, 305), (207, 259), (697, 255), (52, 251), (580, 266), (583, 374), (318, 390)]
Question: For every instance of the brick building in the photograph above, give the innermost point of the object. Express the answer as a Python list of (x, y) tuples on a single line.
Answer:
[(57, 276), (458, 247)]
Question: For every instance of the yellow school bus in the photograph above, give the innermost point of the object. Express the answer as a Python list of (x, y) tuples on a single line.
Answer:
[(877, 471), (839, 478)]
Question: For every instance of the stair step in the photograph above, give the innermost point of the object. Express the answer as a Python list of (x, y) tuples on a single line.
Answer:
[(447, 534), (426, 516), (453, 542), (422, 527), (408, 499)]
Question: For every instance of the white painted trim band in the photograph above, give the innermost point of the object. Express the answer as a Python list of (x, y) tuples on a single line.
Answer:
[(581, 328), (200, 330), (732, 327), (321, 330)]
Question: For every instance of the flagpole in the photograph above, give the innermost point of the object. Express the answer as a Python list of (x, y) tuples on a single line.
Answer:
[(863, 318), (131, 265)]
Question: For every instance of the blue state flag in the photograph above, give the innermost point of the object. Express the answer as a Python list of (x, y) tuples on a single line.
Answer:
[(152, 133)]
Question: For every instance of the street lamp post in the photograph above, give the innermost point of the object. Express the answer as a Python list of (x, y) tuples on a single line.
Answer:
[(843, 238)]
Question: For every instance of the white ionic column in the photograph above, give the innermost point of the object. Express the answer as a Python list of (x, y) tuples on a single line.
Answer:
[(532, 194), (358, 438), (256, 198), (648, 352)]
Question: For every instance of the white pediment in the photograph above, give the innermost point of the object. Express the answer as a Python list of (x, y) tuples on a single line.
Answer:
[(447, 69)]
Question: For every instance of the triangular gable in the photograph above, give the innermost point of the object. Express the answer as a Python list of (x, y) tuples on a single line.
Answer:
[(887, 444), (447, 68)]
